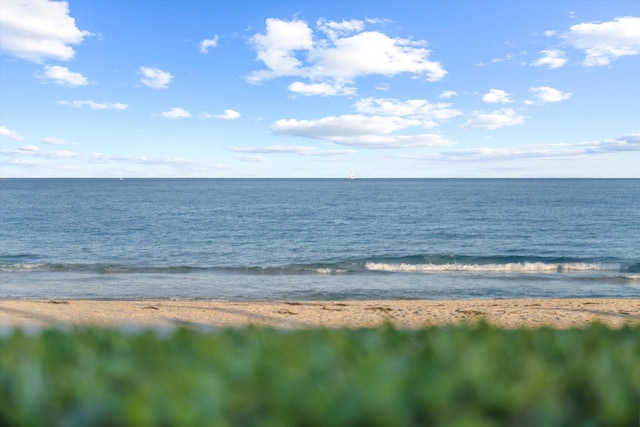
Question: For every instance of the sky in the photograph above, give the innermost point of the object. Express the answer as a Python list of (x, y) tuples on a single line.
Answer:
[(317, 89)]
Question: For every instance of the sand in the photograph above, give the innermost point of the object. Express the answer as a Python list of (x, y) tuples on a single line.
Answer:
[(516, 313)]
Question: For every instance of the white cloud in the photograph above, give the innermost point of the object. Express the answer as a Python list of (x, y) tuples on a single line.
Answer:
[(413, 108), (448, 94), (63, 76), (381, 21), (21, 163), (394, 141), (33, 151), (494, 120), (627, 143), (10, 134), (293, 149), (290, 48), (360, 130), (228, 115), (277, 48), (208, 43), (607, 41), (554, 58), (59, 154), (622, 144), (105, 158), (335, 30), (495, 96), (321, 89), (254, 159), (373, 52), (96, 105), (506, 58), (377, 124), (52, 140), (176, 113), (37, 30), (338, 126), (549, 94), (155, 78), (198, 166)]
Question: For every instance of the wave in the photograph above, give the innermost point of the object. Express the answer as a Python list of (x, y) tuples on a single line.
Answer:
[(91, 268), (430, 263), (630, 277), (520, 267), (498, 264), (180, 269)]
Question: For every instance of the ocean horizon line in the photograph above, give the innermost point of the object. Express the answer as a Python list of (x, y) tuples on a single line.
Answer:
[(326, 178)]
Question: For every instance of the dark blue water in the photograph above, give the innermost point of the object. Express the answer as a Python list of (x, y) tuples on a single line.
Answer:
[(319, 239)]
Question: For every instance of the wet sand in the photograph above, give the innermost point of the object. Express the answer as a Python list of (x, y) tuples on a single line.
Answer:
[(530, 313)]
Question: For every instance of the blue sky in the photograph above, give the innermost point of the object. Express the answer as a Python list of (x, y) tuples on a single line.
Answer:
[(282, 88)]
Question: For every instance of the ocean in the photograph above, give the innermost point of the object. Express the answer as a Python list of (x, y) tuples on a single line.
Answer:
[(319, 239)]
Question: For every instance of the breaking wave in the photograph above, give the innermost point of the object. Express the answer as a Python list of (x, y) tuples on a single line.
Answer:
[(511, 267), (431, 263)]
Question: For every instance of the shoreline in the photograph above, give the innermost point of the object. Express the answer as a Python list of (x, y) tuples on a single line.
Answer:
[(504, 313)]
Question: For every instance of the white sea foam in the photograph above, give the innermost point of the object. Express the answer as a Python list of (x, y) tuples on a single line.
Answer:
[(524, 267), (329, 271), (20, 268), (631, 277)]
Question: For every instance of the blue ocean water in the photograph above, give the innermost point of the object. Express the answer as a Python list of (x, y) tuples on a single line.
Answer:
[(265, 239)]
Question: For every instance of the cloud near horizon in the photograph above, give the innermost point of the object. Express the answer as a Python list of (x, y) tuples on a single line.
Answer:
[(627, 143), (291, 149), (376, 124), (359, 130), (32, 151)]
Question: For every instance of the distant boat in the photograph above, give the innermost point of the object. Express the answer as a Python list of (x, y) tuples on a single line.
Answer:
[(352, 175)]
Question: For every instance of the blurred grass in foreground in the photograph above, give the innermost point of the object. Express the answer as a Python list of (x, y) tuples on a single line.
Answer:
[(446, 376)]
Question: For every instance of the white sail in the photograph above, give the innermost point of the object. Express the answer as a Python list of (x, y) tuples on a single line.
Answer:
[(352, 176)]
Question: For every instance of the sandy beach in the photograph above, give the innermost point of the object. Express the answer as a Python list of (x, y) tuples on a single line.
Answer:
[(531, 313)]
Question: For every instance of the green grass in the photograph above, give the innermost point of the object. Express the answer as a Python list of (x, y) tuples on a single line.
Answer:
[(444, 376)]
